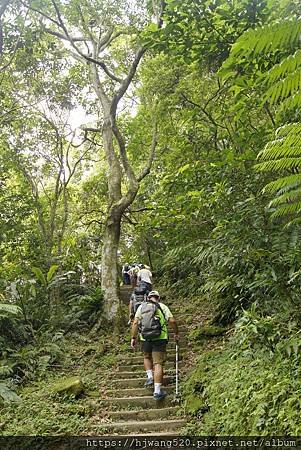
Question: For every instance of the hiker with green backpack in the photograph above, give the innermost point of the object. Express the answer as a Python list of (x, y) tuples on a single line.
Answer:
[(151, 320)]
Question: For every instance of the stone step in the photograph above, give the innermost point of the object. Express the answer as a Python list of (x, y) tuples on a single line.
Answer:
[(145, 425), (145, 402), (133, 392), (145, 414), (141, 373), (138, 382), (136, 367)]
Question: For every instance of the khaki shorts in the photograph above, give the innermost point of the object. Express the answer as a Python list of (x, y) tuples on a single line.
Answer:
[(155, 351)]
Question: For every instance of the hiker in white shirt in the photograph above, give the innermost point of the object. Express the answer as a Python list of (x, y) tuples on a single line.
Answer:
[(145, 276)]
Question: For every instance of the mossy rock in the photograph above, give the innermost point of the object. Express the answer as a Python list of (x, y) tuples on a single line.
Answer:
[(206, 332), (72, 386)]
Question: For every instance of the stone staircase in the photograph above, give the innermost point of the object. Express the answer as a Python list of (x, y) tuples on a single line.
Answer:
[(132, 409)]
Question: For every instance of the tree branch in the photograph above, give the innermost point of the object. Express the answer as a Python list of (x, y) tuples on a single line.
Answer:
[(94, 130), (212, 120), (72, 172), (88, 224), (41, 13), (85, 26), (269, 114), (148, 165), (62, 36), (159, 11), (129, 220), (94, 77), (132, 211), (123, 154), (86, 57), (126, 82), (86, 213), (105, 41)]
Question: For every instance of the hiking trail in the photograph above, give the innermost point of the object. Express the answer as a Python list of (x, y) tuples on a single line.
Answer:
[(131, 408)]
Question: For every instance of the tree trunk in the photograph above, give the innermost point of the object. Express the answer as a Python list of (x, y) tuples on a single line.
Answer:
[(109, 277), (118, 203)]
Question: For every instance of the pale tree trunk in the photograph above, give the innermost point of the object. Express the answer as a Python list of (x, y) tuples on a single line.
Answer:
[(109, 277)]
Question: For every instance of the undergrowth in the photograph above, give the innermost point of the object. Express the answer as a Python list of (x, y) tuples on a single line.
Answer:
[(250, 386), (89, 358)]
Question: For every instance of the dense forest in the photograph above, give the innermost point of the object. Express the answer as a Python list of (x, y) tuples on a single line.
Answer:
[(164, 132)]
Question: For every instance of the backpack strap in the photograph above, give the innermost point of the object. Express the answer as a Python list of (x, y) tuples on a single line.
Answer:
[(157, 304)]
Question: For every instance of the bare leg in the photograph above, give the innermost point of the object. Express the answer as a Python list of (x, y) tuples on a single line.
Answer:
[(148, 364), (158, 373)]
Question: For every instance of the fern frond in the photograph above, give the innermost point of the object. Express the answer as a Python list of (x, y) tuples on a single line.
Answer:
[(288, 129), (202, 254), (283, 184), (218, 286), (287, 143), (279, 164), (289, 209), (289, 104), (274, 37), (280, 151), (287, 65), (284, 88), (287, 197), (284, 153), (7, 309), (293, 222)]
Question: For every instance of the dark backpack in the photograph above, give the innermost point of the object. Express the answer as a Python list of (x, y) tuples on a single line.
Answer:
[(143, 286), (138, 297), (150, 324)]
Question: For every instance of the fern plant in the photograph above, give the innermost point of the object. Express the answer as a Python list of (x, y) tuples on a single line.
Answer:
[(7, 310), (282, 85)]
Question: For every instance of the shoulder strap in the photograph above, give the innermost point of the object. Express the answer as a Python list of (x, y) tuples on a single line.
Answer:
[(157, 304)]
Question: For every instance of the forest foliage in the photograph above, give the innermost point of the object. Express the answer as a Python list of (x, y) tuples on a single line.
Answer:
[(217, 218)]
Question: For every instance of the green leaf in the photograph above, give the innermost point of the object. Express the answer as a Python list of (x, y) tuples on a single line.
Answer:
[(40, 276), (183, 168), (51, 272)]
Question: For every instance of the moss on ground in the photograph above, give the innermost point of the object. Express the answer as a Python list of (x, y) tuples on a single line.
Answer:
[(206, 331), (66, 412), (245, 393)]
